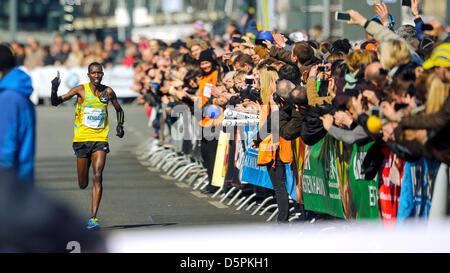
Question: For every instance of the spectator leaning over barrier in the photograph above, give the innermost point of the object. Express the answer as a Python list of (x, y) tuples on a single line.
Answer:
[(18, 126), (436, 119)]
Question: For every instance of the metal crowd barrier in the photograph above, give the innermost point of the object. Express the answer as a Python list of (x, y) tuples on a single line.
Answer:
[(189, 169)]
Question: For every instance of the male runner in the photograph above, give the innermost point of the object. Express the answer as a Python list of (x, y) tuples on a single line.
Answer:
[(90, 142)]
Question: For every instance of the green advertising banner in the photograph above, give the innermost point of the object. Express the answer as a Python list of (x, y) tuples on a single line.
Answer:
[(365, 192), (320, 179), (333, 182)]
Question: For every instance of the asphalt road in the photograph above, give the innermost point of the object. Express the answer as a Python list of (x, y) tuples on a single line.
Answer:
[(134, 197)]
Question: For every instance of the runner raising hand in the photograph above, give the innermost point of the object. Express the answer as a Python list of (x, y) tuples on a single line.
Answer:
[(91, 129)]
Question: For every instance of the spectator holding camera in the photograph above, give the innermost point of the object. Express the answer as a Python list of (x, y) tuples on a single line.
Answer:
[(274, 150)]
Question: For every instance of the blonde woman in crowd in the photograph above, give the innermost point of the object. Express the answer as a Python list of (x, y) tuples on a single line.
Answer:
[(437, 93), (267, 77), (394, 53)]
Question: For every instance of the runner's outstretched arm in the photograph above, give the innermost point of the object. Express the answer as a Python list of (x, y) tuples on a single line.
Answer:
[(54, 97)]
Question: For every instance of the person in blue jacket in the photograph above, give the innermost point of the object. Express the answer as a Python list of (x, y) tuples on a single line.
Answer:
[(17, 129)]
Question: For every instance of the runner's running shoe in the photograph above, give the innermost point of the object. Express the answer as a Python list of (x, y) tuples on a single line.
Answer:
[(93, 224)]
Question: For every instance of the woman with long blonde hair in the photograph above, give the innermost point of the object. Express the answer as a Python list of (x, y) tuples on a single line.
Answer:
[(267, 77), (273, 150), (437, 93)]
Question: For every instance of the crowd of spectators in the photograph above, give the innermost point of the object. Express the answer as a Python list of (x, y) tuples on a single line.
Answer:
[(75, 54), (318, 86)]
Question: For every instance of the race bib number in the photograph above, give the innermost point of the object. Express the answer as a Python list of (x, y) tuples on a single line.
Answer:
[(207, 90), (94, 118)]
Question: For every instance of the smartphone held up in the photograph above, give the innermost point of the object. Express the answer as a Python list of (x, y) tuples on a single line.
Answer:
[(342, 16)]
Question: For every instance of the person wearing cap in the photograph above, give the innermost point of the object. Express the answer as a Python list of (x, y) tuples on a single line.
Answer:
[(18, 126), (440, 62)]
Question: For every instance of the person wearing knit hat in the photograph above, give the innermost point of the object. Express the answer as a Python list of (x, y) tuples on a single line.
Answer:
[(207, 56), (208, 62), (208, 145)]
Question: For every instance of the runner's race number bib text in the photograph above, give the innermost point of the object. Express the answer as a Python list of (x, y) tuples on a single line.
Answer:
[(94, 118)]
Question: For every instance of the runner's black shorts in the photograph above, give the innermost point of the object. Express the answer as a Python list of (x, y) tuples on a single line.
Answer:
[(86, 149)]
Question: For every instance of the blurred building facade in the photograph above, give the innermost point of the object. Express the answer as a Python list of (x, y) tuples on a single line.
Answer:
[(170, 19), (120, 18), (304, 15)]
